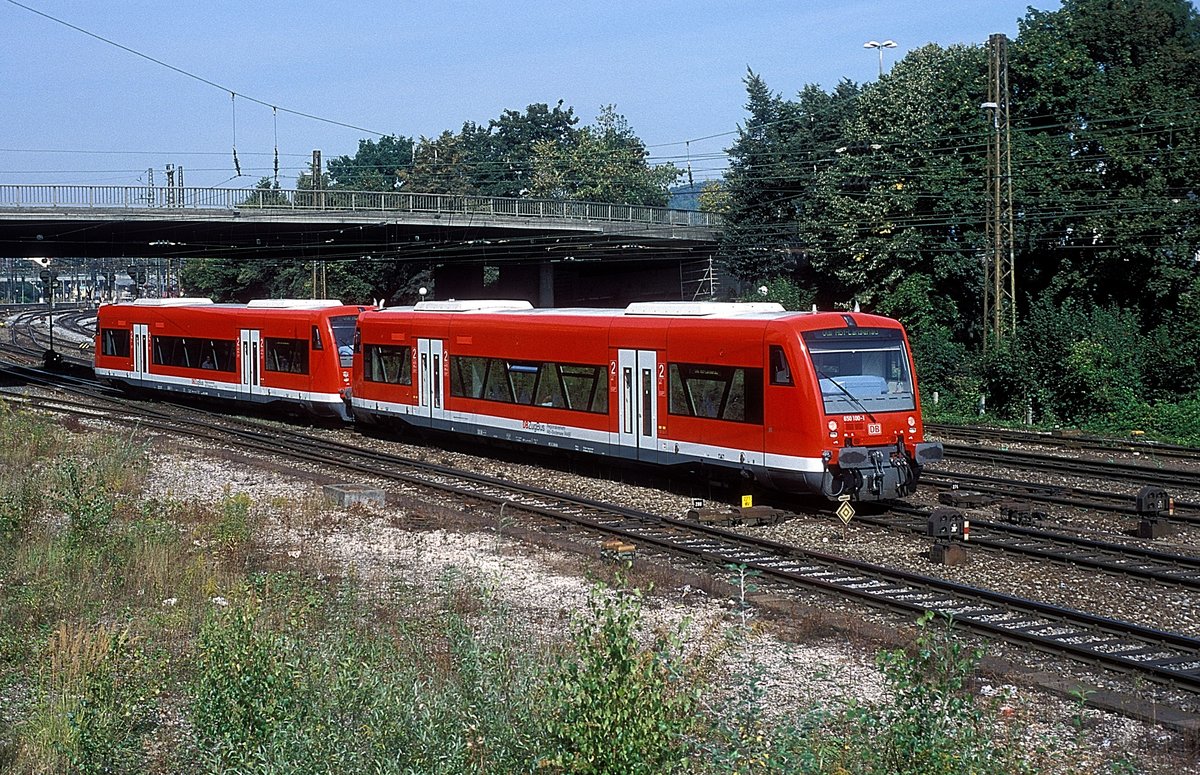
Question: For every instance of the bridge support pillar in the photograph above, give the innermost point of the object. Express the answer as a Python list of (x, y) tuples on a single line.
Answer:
[(545, 284)]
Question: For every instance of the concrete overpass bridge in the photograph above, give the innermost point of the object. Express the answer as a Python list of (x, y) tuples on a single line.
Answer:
[(548, 251)]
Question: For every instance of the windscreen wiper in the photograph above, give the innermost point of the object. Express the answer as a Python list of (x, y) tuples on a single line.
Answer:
[(858, 402)]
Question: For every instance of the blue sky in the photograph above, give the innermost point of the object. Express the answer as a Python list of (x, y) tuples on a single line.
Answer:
[(78, 110)]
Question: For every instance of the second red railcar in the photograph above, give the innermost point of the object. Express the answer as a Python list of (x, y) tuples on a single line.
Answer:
[(295, 352)]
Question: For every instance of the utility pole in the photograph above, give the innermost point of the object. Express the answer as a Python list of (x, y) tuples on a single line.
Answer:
[(1000, 278)]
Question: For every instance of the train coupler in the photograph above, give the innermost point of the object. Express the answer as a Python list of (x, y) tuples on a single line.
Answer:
[(1155, 507), (950, 530)]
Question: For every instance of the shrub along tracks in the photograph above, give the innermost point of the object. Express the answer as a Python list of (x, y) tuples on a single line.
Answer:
[(1159, 656)]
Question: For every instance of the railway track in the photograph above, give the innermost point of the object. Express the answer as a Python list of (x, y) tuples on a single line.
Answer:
[(1111, 469), (1185, 511), (1118, 559), (1163, 657), (1082, 443)]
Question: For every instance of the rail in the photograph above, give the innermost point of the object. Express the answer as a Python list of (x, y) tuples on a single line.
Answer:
[(250, 199)]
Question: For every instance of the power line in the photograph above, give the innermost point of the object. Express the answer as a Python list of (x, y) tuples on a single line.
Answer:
[(192, 75)]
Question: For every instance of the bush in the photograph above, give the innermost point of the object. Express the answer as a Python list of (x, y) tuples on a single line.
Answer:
[(616, 706)]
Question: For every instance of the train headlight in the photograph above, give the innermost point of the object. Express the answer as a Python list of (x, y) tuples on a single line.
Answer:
[(833, 425), (912, 422)]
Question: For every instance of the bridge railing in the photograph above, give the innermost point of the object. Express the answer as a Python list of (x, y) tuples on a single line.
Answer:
[(188, 198)]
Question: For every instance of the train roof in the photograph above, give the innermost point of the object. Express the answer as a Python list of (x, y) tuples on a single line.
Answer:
[(254, 304), (680, 310)]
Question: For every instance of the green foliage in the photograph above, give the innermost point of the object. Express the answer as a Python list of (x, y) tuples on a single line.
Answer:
[(94, 704), (876, 194), (618, 706), (932, 724), (24, 440), (235, 524), (605, 162)]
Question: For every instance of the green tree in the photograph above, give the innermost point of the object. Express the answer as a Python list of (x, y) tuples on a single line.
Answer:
[(381, 165), (604, 162)]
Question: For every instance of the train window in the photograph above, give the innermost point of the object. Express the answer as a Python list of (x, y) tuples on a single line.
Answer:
[(550, 390), (586, 387), (344, 327), (496, 385), (317, 344), (558, 385), (466, 376), (862, 369), (387, 363), (781, 372), (716, 392), (115, 341), (524, 378), (190, 353), (289, 356)]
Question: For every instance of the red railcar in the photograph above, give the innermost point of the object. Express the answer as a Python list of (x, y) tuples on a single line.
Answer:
[(802, 402), (289, 351)]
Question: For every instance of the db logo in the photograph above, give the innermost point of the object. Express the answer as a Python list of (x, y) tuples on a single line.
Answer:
[(874, 429)]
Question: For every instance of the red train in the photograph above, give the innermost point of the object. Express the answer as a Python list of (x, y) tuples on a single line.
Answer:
[(801, 402), (290, 352)]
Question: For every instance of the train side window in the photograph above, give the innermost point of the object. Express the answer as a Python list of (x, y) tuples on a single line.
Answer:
[(289, 356), (387, 363), (583, 387), (781, 372), (317, 344), (466, 376), (715, 392), (496, 385), (115, 342), (550, 389), (524, 379)]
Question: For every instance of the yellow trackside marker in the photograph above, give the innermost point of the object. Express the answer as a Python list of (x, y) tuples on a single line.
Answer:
[(747, 501)]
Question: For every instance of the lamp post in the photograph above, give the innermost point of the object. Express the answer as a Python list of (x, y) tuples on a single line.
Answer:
[(880, 47)]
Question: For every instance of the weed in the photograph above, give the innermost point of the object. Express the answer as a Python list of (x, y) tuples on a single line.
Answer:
[(614, 705)]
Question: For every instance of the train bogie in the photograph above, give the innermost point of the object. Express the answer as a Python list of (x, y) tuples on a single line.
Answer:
[(292, 353), (803, 402)]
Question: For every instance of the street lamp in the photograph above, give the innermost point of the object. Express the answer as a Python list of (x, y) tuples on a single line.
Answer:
[(880, 47)]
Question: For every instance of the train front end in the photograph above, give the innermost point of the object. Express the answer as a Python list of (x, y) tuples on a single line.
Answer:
[(871, 436)]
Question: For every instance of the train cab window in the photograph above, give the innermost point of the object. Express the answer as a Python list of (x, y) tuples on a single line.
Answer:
[(192, 353), (781, 372), (116, 342), (289, 356), (862, 369), (344, 327), (716, 392), (387, 363)]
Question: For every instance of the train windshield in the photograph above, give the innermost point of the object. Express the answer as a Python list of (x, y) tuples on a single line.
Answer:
[(862, 370), (343, 337)]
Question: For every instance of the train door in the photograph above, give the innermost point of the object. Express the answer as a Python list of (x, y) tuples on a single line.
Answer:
[(637, 380), (251, 344), (430, 377), (141, 350)]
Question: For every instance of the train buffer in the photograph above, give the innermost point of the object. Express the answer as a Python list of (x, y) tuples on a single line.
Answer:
[(1155, 507), (617, 549)]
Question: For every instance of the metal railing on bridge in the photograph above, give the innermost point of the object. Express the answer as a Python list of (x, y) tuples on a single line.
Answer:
[(242, 199)]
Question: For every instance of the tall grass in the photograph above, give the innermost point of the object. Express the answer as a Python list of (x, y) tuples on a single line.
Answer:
[(141, 635)]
